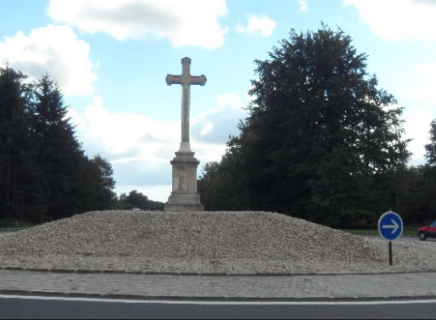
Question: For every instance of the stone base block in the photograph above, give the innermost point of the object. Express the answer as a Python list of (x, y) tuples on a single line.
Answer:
[(184, 202), (184, 208), (184, 197)]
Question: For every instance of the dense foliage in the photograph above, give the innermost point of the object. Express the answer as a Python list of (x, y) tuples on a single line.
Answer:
[(322, 142), (137, 200), (44, 174), (431, 147)]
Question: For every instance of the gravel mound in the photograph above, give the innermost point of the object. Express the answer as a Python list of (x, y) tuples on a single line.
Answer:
[(236, 243)]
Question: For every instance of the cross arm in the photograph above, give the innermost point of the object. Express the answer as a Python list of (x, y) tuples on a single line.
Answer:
[(199, 81), (173, 80)]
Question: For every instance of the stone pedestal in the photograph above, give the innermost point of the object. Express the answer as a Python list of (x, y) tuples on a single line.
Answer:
[(184, 197)]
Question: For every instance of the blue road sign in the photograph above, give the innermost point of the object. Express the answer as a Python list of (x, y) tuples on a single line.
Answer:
[(390, 226)]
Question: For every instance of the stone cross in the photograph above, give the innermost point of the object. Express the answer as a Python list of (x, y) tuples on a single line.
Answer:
[(184, 197), (186, 80)]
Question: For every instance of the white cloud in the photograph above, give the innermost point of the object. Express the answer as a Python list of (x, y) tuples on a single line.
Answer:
[(229, 100), (183, 23), (215, 126), (303, 5), (398, 19), (53, 50), (420, 94), (422, 84), (417, 128), (408, 20), (155, 193), (117, 133), (208, 128), (258, 25), (140, 148)]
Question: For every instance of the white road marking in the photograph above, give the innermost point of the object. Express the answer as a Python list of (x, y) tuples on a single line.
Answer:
[(222, 303)]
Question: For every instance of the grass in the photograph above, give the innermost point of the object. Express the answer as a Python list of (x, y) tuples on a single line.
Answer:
[(410, 232), (14, 224)]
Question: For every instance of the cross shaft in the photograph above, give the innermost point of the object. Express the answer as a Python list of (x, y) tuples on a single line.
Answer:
[(186, 80)]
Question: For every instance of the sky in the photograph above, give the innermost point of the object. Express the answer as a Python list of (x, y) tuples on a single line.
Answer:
[(111, 58)]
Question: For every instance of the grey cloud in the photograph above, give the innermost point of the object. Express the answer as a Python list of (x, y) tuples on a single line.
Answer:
[(92, 150), (136, 173), (192, 24), (148, 138), (424, 2), (225, 124), (32, 69), (133, 13)]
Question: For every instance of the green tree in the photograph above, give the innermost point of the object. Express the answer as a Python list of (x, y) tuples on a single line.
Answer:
[(431, 147), (97, 185), (44, 173), (420, 200), (60, 154), (320, 134), (134, 200), (22, 192)]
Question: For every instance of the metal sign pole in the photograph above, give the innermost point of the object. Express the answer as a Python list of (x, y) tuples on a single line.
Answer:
[(391, 260), (390, 228)]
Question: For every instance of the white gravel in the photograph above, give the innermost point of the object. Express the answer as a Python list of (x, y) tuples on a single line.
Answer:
[(237, 243)]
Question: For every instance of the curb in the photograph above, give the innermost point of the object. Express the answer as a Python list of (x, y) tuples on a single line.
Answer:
[(212, 299), (188, 274)]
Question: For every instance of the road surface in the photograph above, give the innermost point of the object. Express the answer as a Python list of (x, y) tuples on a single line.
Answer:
[(16, 307)]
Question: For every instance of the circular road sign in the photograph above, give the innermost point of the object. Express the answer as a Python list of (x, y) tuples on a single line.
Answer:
[(390, 226)]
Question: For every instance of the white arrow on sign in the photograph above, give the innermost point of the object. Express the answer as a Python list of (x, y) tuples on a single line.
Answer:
[(395, 227)]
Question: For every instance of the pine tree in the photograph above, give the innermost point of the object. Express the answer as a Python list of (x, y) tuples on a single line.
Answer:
[(44, 174), (431, 147), (60, 154), (22, 192)]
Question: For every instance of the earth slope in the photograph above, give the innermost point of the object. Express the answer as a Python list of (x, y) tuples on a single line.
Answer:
[(237, 243)]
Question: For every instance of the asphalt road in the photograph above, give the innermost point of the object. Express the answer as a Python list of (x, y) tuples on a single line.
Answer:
[(76, 308)]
